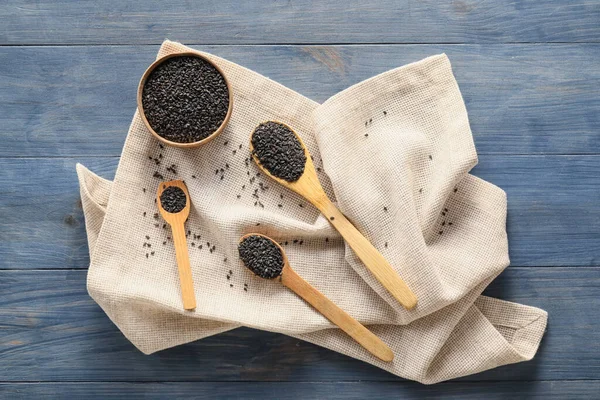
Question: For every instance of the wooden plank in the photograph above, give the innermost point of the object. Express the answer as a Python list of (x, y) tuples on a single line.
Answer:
[(52, 330), (312, 390), (304, 21), (523, 99), (49, 231), (553, 216)]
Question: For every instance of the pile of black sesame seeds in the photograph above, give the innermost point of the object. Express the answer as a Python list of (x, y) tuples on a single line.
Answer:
[(185, 99), (279, 151), (173, 199), (261, 256)]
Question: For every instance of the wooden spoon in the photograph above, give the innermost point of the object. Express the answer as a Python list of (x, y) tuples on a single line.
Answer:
[(339, 317), (309, 187), (177, 220)]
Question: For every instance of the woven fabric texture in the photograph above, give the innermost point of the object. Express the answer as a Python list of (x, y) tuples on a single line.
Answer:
[(394, 152)]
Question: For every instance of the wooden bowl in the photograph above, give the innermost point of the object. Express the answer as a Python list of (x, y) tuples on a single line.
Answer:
[(143, 115)]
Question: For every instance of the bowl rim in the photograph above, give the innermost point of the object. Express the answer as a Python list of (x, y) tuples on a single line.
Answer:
[(142, 114)]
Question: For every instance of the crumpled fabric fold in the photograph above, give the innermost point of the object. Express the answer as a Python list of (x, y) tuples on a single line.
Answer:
[(394, 152)]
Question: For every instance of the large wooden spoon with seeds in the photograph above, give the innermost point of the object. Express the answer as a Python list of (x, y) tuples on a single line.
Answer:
[(280, 153), (173, 202), (265, 257)]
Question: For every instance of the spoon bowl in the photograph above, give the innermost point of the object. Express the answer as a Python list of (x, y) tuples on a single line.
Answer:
[(177, 221), (332, 312), (309, 187)]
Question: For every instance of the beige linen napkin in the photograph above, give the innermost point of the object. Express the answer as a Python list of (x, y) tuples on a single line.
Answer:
[(395, 151)]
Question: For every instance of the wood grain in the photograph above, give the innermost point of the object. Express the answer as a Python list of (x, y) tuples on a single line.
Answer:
[(53, 331), (556, 390), (301, 21), (530, 89), (522, 99), (177, 223), (553, 209)]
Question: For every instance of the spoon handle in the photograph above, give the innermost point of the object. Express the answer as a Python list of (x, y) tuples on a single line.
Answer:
[(343, 320), (183, 265), (368, 254)]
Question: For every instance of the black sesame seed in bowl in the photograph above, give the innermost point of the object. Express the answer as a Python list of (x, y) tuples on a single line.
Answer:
[(184, 99), (261, 256), (173, 199), (278, 150)]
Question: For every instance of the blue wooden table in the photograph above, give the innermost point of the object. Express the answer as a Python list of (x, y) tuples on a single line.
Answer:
[(530, 75)]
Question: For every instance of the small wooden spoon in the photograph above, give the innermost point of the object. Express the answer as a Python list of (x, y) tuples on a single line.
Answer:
[(339, 317), (309, 187), (177, 220)]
